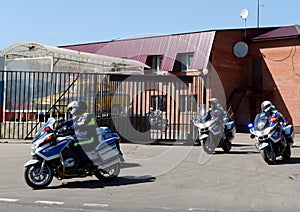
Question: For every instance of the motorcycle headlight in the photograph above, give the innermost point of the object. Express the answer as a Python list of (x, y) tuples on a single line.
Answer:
[(33, 148)]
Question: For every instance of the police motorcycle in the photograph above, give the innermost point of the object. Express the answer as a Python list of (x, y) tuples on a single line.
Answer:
[(213, 132), (271, 137), (52, 156), (156, 120)]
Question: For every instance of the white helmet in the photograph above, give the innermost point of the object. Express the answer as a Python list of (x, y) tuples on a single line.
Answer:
[(266, 106), (77, 108), (213, 102)]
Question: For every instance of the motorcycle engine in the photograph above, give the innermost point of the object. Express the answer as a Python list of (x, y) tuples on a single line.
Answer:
[(69, 162)]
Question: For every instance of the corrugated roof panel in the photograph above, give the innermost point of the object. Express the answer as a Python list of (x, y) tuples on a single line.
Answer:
[(281, 32), (201, 56), (200, 43)]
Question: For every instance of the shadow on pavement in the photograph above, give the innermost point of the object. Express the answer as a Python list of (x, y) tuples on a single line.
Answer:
[(242, 145), (292, 160), (93, 184), (236, 152)]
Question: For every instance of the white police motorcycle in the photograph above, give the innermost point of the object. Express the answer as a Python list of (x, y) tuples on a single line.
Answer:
[(53, 157), (270, 140), (213, 132), (156, 120)]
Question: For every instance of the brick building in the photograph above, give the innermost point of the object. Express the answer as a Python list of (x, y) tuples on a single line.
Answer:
[(244, 67)]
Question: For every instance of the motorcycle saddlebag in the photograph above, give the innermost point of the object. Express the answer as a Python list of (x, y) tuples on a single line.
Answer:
[(108, 152), (107, 147), (289, 131), (101, 130)]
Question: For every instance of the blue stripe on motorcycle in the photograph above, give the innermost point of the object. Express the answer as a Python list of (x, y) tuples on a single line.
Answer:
[(51, 152)]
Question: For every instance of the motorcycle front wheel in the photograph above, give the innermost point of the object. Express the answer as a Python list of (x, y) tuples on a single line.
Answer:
[(287, 153), (109, 174), (208, 145), (37, 178), (226, 146), (268, 155)]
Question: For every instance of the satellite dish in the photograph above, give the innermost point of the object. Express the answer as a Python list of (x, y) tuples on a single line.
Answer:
[(244, 14), (240, 49)]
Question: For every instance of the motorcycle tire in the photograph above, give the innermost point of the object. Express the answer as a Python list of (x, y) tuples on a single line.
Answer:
[(109, 174), (226, 146), (287, 153), (36, 180), (269, 156), (208, 145)]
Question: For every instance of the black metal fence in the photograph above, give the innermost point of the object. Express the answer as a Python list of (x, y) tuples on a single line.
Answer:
[(120, 102)]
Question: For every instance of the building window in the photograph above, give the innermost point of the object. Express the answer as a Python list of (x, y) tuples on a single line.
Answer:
[(154, 61), (187, 103), (159, 103), (185, 60)]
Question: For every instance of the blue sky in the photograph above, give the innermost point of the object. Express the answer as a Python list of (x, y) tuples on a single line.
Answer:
[(64, 22)]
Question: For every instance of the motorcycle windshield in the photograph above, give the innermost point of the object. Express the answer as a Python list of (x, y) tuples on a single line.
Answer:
[(50, 122), (261, 122), (202, 113)]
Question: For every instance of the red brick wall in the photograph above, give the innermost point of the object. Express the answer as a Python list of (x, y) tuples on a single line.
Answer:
[(283, 62), (280, 76), (234, 73)]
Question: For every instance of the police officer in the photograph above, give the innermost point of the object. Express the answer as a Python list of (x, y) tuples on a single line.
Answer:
[(84, 126), (215, 106), (269, 109)]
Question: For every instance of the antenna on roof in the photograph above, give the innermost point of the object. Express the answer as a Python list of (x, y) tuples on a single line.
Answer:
[(258, 6), (244, 16)]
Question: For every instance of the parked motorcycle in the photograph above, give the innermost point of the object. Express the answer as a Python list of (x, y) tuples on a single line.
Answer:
[(156, 120), (52, 156), (213, 131), (270, 139)]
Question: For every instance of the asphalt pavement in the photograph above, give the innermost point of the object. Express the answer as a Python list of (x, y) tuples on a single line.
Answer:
[(171, 178)]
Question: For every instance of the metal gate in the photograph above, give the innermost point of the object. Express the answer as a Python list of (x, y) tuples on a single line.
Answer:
[(120, 102)]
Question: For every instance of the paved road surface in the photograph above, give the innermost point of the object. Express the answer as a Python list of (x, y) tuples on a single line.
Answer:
[(162, 178)]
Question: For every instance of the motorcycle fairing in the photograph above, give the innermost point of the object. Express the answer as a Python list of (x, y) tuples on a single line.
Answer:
[(203, 136), (216, 129), (49, 152), (263, 145), (31, 162), (275, 137)]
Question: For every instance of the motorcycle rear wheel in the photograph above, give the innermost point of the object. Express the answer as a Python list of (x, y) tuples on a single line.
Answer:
[(269, 156), (38, 180), (109, 174)]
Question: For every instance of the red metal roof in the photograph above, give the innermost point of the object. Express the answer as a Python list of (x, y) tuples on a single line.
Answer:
[(281, 32), (169, 46)]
